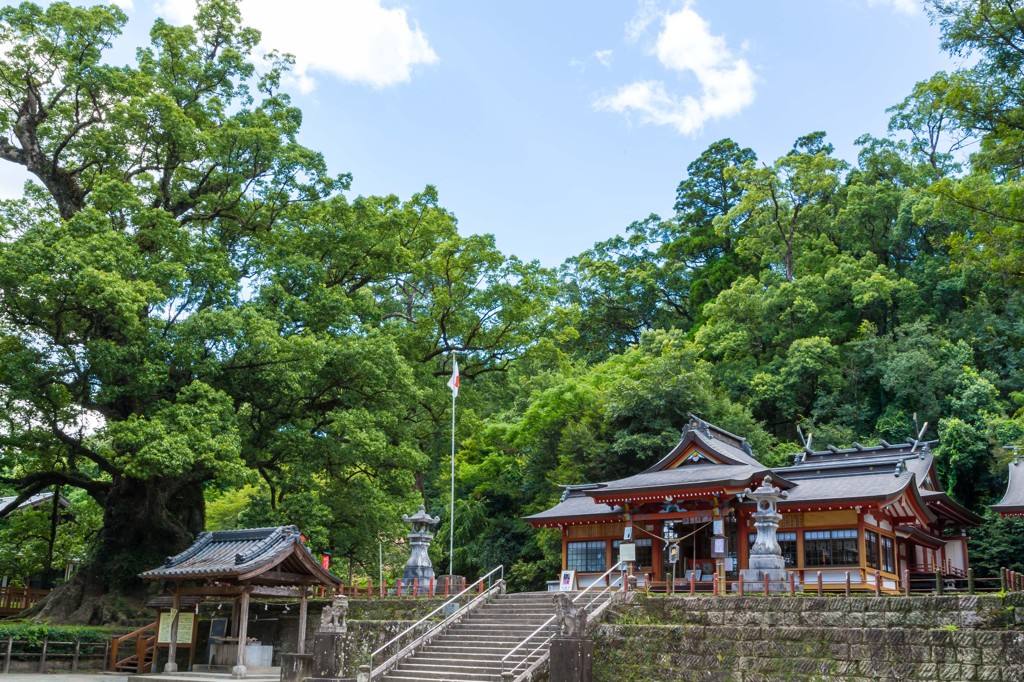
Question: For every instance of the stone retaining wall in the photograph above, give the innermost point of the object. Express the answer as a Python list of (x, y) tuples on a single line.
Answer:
[(804, 639)]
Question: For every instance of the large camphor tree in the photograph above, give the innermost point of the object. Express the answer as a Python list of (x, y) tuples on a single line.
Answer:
[(127, 269)]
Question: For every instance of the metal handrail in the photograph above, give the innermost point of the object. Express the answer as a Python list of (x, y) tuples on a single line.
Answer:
[(458, 613), (517, 647)]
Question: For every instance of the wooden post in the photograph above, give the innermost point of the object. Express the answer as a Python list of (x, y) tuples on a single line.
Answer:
[(821, 587), (938, 581), (398, 584), (7, 656), (792, 583), (878, 584), (970, 581), (739, 586), (846, 589), (303, 607), (906, 582), (172, 649), (243, 631), (74, 655), (431, 595), (42, 657), (693, 583), (766, 584)]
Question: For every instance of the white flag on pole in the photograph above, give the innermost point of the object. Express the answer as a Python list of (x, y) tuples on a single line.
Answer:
[(453, 383)]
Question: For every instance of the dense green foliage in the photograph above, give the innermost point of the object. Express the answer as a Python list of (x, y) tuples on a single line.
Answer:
[(200, 328)]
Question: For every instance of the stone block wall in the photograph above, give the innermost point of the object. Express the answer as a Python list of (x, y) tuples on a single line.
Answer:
[(813, 639)]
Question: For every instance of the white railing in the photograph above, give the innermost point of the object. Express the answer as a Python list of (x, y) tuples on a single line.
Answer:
[(495, 580), (513, 672)]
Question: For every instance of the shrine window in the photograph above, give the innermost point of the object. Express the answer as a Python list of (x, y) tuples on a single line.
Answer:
[(585, 557), (787, 542), (888, 554), (831, 547), (871, 547), (880, 551)]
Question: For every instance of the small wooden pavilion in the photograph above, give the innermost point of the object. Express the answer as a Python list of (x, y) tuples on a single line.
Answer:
[(242, 564), (1012, 503)]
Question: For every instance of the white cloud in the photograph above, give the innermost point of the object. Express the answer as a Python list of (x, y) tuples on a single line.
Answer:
[(126, 5), (900, 6), (685, 45), (646, 14), (604, 56), (355, 40)]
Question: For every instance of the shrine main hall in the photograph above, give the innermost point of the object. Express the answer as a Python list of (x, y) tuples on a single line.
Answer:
[(867, 510)]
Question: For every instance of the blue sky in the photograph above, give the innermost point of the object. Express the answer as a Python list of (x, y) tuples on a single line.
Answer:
[(553, 125)]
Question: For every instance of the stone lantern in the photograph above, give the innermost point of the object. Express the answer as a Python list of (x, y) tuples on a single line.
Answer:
[(766, 555), (419, 567)]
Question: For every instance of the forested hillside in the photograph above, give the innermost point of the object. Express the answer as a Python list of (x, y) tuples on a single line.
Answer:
[(202, 328)]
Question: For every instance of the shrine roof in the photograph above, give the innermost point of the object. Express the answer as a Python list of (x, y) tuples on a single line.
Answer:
[(575, 503), (846, 488), (1013, 499), (245, 555), (34, 501), (691, 476), (944, 505), (839, 457)]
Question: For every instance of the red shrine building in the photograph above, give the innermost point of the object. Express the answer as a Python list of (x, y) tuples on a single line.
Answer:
[(865, 510)]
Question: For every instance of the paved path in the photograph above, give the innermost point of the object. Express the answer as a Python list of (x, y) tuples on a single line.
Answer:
[(62, 677)]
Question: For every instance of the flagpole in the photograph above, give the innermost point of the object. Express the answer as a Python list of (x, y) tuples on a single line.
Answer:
[(451, 512)]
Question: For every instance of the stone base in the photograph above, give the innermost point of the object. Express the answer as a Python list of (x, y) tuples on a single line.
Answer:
[(572, 659), (329, 651), (296, 667), (753, 581)]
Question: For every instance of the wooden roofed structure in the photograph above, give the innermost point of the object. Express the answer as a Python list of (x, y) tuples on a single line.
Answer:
[(242, 564)]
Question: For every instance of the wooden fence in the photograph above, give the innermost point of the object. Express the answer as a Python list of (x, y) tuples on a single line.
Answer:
[(16, 599), (47, 650)]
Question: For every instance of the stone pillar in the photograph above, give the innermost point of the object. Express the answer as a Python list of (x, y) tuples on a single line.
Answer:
[(572, 659), (331, 641)]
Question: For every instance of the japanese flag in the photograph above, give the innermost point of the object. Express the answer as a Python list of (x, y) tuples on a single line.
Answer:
[(453, 383)]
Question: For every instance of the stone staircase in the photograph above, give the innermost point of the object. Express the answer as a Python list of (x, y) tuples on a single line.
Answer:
[(471, 651)]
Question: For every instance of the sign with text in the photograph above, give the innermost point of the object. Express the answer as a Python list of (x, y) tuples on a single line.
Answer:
[(186, 625), (568, 581), (719, 547)]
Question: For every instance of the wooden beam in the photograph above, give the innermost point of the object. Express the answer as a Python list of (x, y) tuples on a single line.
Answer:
[(243, 631), (283, 578), (303, 607)]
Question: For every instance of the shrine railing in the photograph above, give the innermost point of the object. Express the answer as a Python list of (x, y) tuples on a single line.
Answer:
[(539, 655), (487, 586)]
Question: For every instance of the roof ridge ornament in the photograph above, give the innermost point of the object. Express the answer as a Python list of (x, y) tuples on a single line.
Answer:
[(901, 466), (202, 541), (262, 545)]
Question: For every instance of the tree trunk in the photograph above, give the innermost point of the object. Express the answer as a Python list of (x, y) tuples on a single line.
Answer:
[(144, 522)]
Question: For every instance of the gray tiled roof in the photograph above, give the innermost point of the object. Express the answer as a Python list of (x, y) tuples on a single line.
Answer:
[(689, 475), (33, 501), (878, 472), (232, 553), (1013, 500), (576, 504)]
